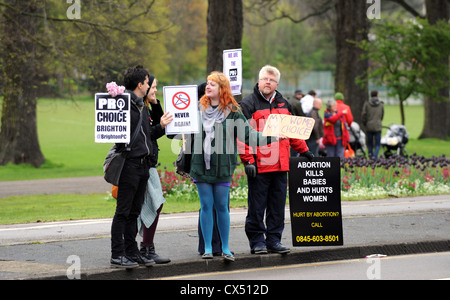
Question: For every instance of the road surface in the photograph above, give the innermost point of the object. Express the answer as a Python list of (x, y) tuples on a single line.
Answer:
[(430, 266)]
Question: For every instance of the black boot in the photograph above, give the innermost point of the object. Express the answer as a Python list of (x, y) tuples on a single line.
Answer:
[(149, 252)]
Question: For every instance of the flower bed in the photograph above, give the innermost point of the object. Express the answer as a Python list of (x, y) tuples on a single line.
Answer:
[(396, 176), (176, 187)]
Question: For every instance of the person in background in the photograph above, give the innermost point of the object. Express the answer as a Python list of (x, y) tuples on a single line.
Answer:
[(154, 199), (341, 106), (267, 166), (336, 135), (317, 133), (296, 105), (372, 119), (308, 102)]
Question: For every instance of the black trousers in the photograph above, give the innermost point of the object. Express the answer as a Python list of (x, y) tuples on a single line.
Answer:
[(266, 200), (130, 197)]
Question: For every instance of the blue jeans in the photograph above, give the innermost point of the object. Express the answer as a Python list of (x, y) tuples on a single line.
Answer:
[(313, 146), (336, 150), (214, 197), (373, 138)]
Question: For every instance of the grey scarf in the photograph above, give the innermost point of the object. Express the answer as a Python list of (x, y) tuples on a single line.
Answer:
[(210, 116)]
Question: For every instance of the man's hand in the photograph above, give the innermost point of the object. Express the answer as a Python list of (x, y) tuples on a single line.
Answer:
[(308, 155), (250, 170)]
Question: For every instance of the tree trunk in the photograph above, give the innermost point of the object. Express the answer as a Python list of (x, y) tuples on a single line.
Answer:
[(437, 113), (18, 136), (225, 30), (402, 111), (352, 25)]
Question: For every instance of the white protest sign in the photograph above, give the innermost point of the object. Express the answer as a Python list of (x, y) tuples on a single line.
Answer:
[(232, 68), (290, 126), (112, 118), (182, 103)]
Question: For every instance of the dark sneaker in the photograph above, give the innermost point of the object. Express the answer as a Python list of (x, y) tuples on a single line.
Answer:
[(279, 248), (259, 250), (123, 262)]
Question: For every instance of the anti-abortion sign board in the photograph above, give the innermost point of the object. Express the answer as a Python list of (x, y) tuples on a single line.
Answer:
[(315, 201), (112, 118), (182, 103), (289, 126), (232, 68)]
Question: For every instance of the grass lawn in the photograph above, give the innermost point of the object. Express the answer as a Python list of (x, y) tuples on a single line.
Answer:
[(49, 208)]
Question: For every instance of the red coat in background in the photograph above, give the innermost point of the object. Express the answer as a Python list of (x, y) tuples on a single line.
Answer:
[(340, 106), (329, 138)]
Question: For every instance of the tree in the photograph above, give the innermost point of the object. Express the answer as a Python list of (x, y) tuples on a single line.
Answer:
[(295, 49), (38, 36), (352, 25), (437, 112), (403, 58), (225, 30), (187, 47), (437, 107), (18, 137)]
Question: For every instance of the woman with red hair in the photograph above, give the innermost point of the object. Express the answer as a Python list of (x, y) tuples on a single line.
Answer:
[(224, 100), (214, 157)]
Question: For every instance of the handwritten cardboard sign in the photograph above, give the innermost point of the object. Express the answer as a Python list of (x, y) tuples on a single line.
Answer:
[(290, 126)]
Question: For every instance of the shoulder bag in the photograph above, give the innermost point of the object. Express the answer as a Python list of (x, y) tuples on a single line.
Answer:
[(183, 162)]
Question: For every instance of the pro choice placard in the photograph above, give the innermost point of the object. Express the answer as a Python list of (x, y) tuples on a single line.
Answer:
[(315, 201), (182, 103), (112, 118)]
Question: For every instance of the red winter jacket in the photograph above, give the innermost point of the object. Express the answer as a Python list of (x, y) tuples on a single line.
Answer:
[(341, 106), (275, 156), (329, 138)]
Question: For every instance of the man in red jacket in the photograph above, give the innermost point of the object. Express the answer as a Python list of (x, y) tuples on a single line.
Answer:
[(267, 166)]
